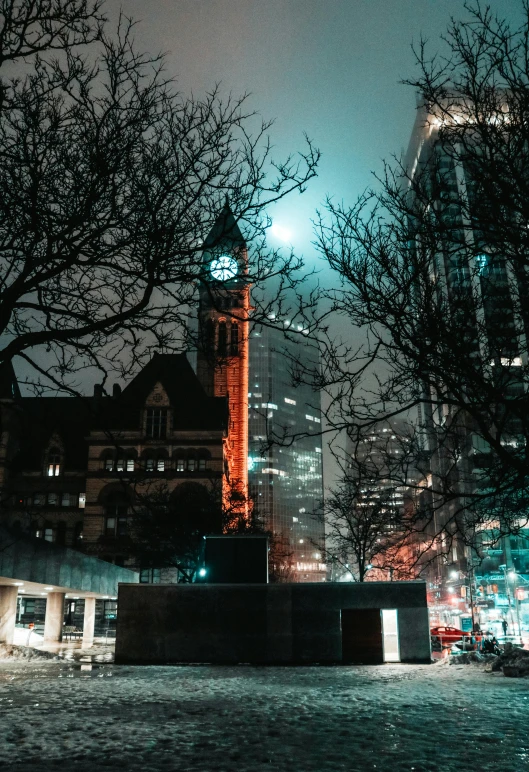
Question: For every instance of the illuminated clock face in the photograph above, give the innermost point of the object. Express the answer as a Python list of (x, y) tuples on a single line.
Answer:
[(223, 268)]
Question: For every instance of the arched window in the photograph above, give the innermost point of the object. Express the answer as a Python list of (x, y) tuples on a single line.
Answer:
[(221, 348), (234, 339), (179, 458), (156, 460), (192, 461), (125, 460), (54, 462), (116, 509), (203, 457), (209, 342), (107, 460)]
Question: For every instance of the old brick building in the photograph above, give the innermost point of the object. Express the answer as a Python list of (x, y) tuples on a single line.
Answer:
[(74, 466), (72, 469)]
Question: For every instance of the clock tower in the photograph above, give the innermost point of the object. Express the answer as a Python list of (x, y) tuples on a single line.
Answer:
[(223, 356)]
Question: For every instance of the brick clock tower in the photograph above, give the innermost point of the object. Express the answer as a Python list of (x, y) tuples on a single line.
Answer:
[(223, 356)]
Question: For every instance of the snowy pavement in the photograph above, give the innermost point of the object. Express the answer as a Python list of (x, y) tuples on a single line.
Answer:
[(389, 718)]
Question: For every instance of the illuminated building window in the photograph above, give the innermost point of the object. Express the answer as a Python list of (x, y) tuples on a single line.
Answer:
[(82, 500), (109, 464), (54, 463), (130, 465), (290, 401), (160, 465), (191, 464), (149, 465), (180, 464), (120, 465)]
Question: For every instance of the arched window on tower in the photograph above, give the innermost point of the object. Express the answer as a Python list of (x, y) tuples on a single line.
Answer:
[(223, 339), (234, 339), (209, 338)]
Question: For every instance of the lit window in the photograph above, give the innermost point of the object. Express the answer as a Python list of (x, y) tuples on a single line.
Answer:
[(269, 405), (156, 426), (52, 499), (191, 464), (290, 401), (201, 464), (109, 464), (54, 465), (180, 465), (48, 534), (82, 500), (295, 519), (160, 465), (149, 465), (130, 465), (120, 465), (309, 417)]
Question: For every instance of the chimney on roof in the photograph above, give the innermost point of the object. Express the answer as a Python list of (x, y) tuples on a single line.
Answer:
[(98, 390), (116, 390)]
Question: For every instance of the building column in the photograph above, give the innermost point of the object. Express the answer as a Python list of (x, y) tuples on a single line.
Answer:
[(54, 619), (89, 622), (8, 612)]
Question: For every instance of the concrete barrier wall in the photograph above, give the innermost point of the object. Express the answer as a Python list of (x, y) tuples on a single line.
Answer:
[(284, 623)]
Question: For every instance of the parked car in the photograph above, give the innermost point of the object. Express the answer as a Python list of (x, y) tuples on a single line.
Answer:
[(446, 636)]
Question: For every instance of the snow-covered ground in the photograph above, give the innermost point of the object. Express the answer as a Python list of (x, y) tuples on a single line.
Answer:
[(391, 718)]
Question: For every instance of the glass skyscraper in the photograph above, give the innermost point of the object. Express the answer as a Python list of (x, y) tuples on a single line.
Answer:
[(286, 479)]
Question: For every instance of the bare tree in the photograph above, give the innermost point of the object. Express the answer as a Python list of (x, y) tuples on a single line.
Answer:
[(110, 180), (168, 527), (433, 268), (29, 27)]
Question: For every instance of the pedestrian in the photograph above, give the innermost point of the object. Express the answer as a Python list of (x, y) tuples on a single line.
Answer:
[(504, 626)]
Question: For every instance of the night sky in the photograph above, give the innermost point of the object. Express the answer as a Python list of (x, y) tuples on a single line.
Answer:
[(330, 68)]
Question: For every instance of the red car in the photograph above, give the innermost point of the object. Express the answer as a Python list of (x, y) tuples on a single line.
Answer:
[(447, 635)]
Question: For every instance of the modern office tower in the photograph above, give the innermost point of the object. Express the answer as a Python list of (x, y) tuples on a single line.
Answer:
[(381, 460), (467, 226), (286, 480), (379, 472)]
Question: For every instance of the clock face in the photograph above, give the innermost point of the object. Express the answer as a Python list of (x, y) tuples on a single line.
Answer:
[(223, 268)]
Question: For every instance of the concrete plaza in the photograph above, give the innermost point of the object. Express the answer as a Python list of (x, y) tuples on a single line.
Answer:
[(388, 718)]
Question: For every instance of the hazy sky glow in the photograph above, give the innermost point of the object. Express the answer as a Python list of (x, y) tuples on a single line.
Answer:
[(330, 68)]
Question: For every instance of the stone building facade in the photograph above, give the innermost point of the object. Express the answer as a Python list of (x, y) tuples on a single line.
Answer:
[(72, 467)]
